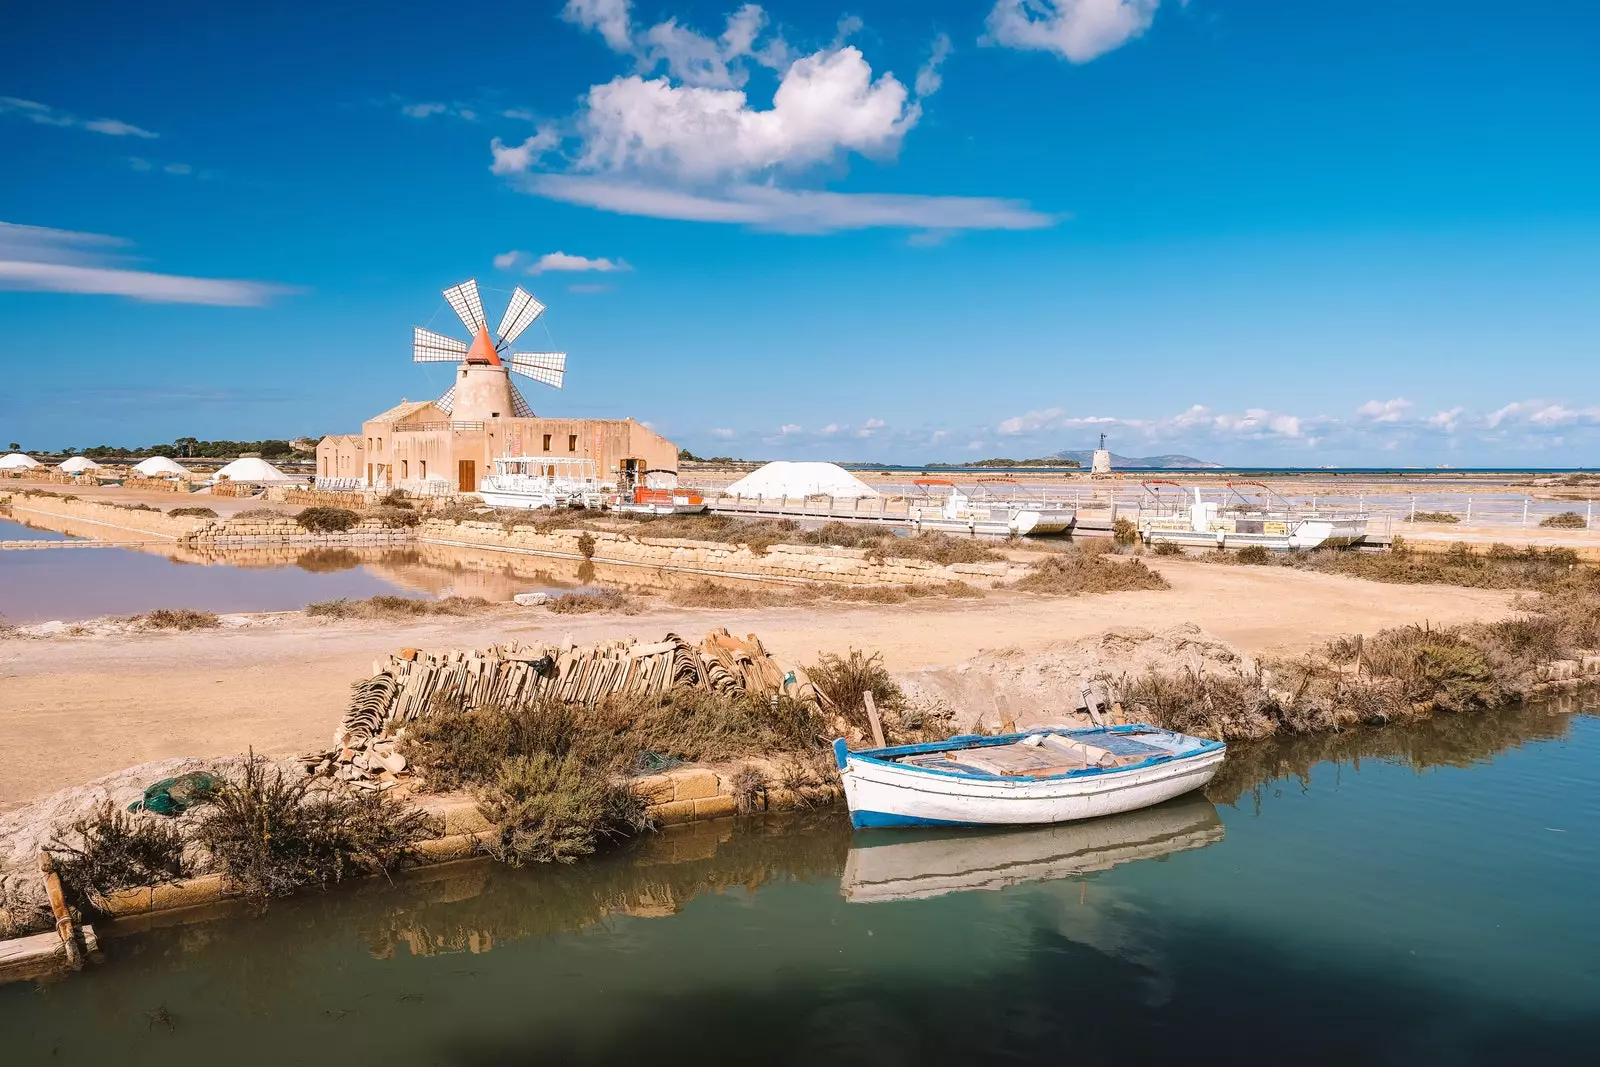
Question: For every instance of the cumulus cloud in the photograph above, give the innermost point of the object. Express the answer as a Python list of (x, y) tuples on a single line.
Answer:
[(517, 158), (1029, 422), (45, 115), (722, 432), (789, 429), (63, 261), (558, 261), (689, 143), (1078, 30), (1385, 410)]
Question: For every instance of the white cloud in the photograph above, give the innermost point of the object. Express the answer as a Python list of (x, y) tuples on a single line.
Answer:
[(423, 110), (722, 432), (789, 429), (178, 168), (1028, 423), (45, 115), (515, 159), (790, 211), (507, 260), (1385, 410), (40, 259), (928, 77), (1079, 30), (690, 144), (829, 430), (1446, 420), (870, 427), (559, 261)]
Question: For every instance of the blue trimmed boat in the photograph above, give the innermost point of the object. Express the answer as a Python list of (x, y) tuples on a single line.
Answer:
[(1040, 777)]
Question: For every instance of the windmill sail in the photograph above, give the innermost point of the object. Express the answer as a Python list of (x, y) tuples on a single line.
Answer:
[(519, 405), (430, 347), (520, 313), (463, 300), (549, 368), (447, 402)]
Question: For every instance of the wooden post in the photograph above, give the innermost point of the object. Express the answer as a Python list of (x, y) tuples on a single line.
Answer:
[(872, 717), (58, 908)]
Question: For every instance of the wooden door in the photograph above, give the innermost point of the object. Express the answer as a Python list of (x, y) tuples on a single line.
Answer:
[(467, 475)]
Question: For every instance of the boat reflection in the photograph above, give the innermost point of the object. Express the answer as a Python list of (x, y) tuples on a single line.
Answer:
[(936, 863)]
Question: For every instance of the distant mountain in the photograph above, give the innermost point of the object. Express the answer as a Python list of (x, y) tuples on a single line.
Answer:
[(1173, 461)]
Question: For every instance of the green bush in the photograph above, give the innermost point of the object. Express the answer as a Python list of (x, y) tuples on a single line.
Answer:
[(554, 809), (111, 850)]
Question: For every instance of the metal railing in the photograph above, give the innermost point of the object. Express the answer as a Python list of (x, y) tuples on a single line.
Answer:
[(422, 427)]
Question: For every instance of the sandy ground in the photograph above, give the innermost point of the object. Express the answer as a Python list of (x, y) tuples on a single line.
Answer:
[(73, 709)]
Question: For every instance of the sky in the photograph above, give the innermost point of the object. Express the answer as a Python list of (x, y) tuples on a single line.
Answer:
[(1352, 232)]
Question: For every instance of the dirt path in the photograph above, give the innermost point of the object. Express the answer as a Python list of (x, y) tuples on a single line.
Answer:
[(72, 709)]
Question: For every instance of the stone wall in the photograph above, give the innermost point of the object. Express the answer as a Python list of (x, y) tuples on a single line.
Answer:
[(134, 519), (158, 485), (314, 498), (284, 530), (791, 563)]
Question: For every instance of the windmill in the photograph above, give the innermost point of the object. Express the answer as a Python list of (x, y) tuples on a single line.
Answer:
[(548, 368)]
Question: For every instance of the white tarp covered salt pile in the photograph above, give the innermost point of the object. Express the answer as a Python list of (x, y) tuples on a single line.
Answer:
[(255, 471), (413, 684), (785, 479), (160, 467), (16, 461), (77, 465)]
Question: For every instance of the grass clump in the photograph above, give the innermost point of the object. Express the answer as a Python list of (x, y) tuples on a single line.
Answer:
[(1081, 569), (1434, 516), (1253, 556), (1501, 567), (127, 507), (396, 607), (109, 849), (258, 513), (749, 788), (197, 513), (327, 520), (1166, 548), (1567, 520), (1124, 533), (270, 835), (553, 809), (594, 600), (731, 597), (392, 517), (178, 619)]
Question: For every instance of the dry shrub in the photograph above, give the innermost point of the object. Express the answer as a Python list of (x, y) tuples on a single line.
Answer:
[(1124, 532), (842, 679), (749, 788), (1167, 548), (395, 498), (1434, 516), (1253, 556), (178, 619), (127, 507), (761, 534), (259, 513), (392, 517), (198, 513), (327, 520), (554, 809), (730, 597), (1082, 571), (1501, 567), (586, 545), (1437, 665), (270, 835), (1567, 520), (594, 600), (109, 849), (396, 607)]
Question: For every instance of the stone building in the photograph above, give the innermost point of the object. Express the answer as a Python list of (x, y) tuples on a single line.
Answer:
[(448, 445)]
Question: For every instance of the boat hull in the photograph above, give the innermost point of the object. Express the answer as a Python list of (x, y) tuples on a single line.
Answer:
[(885, 794), (502, 498)]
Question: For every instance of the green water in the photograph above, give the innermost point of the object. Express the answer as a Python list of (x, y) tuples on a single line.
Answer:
[(1420, 896)]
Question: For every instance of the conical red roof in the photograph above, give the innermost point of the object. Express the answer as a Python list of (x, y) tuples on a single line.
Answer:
[(482, 350)]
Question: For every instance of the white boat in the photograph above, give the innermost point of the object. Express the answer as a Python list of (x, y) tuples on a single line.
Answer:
[(534, 482), (657, 492), (1262, 518), (1046, 775), (889, 867), (984, 512)]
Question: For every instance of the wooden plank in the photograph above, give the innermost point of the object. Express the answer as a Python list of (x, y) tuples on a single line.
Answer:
[(872, 717)]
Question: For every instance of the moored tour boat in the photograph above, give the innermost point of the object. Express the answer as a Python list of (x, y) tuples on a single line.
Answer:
[(1041, 776)]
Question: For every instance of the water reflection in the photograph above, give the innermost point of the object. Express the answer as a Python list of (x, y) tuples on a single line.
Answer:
[(900, 867)]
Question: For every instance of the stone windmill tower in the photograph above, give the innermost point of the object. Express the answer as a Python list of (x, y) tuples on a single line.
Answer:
[(483, 389)]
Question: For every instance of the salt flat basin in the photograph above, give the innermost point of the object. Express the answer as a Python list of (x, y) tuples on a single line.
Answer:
[(1048, 775), (882, 868)]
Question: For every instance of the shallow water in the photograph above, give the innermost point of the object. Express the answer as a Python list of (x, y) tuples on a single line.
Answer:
[(1420, 895)]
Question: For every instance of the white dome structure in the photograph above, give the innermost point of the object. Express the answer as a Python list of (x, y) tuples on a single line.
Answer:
[(77, 465), (16, 461), (784, 478), (161, 467), (255, 471)]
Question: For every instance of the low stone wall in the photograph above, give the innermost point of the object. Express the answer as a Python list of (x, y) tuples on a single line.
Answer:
[(235, 490), (109, 515), (789, 563), (158, 485), (284, 530), (315, 498)]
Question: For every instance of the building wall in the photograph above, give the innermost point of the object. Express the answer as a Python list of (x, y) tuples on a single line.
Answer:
[(426, 446), (341, 456)]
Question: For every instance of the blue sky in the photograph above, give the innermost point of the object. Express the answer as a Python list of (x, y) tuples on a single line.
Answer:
[(1324, 231)]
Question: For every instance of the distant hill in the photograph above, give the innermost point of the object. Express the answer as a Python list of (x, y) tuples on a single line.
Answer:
[(1167, 462)]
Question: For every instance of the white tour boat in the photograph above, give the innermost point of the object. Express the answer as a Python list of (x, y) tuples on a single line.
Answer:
[(534, 482)]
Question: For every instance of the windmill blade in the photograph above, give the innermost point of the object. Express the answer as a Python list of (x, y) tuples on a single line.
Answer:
[(547, 367), (447, 401), (464, 302), (519, 404), (430, 347), (520, 313)]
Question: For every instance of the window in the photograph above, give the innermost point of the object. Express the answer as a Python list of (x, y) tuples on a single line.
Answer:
[(423, 464), (380, 444), (369, 444), (405, 468), (572, 442), (547, 442)]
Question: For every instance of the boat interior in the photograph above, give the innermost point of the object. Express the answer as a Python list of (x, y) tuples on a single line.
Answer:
[(1043, 754)]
